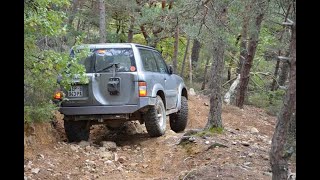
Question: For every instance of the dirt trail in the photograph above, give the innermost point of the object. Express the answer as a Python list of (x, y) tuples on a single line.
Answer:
[(247, 136)]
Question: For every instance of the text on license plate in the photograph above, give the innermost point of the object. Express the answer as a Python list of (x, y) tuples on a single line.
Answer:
[(76, 91)]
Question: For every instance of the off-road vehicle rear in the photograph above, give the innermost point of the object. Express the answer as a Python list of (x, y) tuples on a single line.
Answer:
[(126, 82)]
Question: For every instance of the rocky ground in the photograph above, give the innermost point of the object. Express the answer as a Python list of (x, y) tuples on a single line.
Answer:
[(239, 152)]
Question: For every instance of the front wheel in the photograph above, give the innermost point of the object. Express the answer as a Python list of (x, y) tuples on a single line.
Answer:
[(155, 119), (179, 120)]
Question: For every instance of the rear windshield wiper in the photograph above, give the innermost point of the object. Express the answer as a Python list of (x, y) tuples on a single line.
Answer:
[(112, 64)]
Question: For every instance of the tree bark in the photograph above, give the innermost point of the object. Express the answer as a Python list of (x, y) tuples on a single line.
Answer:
[(243, 43), (278, 155), (102, 22), (283, 74), (252, 46), (185, 57), (195, 53), (275, 75), (214, 117), (175, 50), (130, 33), (205, 74)]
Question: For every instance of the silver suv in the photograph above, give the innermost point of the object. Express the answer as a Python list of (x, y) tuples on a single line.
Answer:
[(126, 82)]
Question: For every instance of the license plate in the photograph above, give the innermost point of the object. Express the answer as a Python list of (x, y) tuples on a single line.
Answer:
[(76, 91)]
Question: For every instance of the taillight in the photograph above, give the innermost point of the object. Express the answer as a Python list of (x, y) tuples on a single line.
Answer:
[(142, 89), (58, 95)]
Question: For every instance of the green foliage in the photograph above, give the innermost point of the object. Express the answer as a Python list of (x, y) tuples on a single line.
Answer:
[(44, 21), (269, 100)]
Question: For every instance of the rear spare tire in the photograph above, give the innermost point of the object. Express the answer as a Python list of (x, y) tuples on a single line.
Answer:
[(155, 119), (179, 120)]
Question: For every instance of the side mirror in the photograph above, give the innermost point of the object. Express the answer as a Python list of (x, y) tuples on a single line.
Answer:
[(170, 69)]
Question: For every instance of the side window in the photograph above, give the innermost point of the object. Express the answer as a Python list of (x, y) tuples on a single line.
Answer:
[(161, 64), (148, 60)]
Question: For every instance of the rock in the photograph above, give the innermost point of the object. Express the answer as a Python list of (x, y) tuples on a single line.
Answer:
[(250, 154), (108, 162), (267, 173), (234, 143), (247, 163), (106, 155), (102, 149), (84, 143), (254, 130), (74, 148), (207, 142), (126, 147), (265, 157), (191, 92), (122, 159), (41, 156), (135, 151), (35, 170), (109, 145), (25, 178), (138, 148), (245, 143), (145, 165), (133, 164), (206, 104), (87, 148), (116, 157)]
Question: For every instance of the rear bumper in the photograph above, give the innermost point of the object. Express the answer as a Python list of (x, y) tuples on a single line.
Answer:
[(123, 109)]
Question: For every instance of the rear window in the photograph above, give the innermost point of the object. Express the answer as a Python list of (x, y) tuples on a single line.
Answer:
[(101, 60)]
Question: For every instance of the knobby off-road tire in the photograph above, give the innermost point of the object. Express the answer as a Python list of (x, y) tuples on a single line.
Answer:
[(77, 131), (155, 119), (179, 120)]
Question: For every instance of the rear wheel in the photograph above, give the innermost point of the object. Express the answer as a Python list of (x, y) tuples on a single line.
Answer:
[(77, 131), (155, 119), (179, 120)]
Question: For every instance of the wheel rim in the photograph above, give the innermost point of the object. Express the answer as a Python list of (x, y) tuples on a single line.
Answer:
[(160, 115)]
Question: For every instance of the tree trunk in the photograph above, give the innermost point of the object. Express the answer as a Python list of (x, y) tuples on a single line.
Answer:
[(190, 70), (175, 50), (102, 22), (205, 74), (214, 117), (185, 57), (130, 33), (252, 46), (73, 12), (275, 75), (195, 53), (278, 155), (243, 44), (283, 74)]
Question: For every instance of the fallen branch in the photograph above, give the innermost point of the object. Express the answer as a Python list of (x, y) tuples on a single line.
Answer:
[(227, 97)]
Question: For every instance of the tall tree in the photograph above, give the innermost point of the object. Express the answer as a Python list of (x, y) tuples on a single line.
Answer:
[(259, 8), (175, 49), (185, 57), (130, 32), (102, 22), (278, 155), (283, 73), (214, 117), (243, 43), (205, 74), (195, 53)]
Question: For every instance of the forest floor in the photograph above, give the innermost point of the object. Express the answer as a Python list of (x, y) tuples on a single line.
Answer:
[(247, 138)]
